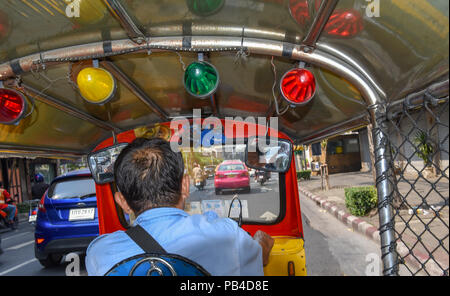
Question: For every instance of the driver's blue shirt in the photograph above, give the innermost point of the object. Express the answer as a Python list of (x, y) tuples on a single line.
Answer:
[(218, 244)]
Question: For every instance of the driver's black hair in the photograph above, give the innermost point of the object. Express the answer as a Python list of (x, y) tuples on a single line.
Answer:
[(149, 174)]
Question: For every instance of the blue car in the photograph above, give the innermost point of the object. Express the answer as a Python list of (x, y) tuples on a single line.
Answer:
[(67, 218)]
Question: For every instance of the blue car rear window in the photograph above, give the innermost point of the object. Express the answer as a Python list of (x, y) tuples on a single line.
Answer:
[(231, 167), (72, 188)]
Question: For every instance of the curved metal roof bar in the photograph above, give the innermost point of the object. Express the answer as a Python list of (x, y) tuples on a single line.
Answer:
[(134, 88), (323, 14), (125, 20), (64, 107), (195, 44), (342, 56), (33, 152), (355, 122)]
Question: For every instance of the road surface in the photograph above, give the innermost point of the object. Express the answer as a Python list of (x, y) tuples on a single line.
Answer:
[(333, 248)]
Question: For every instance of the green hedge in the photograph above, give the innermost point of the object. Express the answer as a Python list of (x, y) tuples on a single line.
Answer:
[(306, 175), (360, 200)]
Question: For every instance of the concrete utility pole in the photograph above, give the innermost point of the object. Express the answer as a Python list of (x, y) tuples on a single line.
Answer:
[(324, 166)]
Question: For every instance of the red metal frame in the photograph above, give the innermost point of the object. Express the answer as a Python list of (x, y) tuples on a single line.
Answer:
[(290, 225)]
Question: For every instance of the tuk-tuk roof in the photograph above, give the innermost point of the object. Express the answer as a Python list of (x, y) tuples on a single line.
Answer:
[(380, 51)]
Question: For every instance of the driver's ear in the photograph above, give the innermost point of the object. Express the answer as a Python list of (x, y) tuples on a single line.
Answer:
[(121, 201), (185, 185)]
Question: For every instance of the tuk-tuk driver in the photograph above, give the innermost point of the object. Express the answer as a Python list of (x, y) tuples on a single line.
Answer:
[(152, 184)]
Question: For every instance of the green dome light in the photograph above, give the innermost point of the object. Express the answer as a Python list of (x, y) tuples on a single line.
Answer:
[(201, 79), (204, 7)]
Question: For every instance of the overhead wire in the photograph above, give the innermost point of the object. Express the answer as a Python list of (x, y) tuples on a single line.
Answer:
[(277, 110)]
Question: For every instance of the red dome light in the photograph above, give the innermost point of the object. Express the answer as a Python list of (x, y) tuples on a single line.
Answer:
[(12, 106), (344, 23), (298, 86), (299, 10)]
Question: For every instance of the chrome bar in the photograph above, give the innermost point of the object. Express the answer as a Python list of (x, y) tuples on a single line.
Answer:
[(64, 107), (347, 58), (214, 105), (33, 152), (355, 122), (385, 190), (199, 43), (134, 88), (323, 14), (439, 89), (125, 20)]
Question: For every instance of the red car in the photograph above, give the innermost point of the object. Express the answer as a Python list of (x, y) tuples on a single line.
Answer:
[(232, 175)]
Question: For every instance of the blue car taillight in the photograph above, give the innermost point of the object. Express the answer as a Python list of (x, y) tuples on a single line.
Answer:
[(41, 206)]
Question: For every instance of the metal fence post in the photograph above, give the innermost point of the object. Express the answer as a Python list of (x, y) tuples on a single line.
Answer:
[(385, 189)]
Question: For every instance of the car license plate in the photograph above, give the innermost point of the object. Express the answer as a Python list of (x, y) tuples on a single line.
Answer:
[(198, 183), (32, 218), (81, 214)]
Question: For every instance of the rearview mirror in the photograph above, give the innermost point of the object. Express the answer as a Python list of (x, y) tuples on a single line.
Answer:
[(101, 163), (272, 156)]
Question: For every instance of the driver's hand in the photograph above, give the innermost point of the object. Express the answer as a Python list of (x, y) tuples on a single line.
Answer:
[(266, 242)]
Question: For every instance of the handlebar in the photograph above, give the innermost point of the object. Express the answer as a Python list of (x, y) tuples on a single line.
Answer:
[(240, 209)]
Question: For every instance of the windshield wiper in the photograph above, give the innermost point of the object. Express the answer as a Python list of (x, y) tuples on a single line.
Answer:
[(86, 196)]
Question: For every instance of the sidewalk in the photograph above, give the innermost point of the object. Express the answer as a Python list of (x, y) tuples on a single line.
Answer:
[(432, 229)]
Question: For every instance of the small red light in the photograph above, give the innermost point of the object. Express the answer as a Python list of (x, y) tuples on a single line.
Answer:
[(344, 23), (41, 206), (12, 106), (298, 86)]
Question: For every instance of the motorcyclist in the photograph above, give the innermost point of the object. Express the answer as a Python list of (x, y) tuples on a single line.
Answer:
[(198, 174), (6, 206), (39, 187)]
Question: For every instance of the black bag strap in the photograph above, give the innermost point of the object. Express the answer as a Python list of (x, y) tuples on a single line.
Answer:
[(144, 240)]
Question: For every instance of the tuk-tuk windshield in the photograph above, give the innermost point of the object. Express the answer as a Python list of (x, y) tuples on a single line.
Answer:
[(259, 194)]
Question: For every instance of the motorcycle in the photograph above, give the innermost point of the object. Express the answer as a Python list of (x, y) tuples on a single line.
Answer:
[(32, 213), (4, 217), (200, 183), (261, 177)]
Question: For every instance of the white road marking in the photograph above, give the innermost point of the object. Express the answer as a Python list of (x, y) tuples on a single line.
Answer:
[(17, 266), (14, 236), (20, 246)]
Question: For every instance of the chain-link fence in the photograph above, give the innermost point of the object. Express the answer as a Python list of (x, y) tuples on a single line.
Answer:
[(412, 159)]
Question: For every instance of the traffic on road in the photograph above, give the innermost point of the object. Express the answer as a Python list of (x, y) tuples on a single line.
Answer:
[(335, 244), (159, 137)]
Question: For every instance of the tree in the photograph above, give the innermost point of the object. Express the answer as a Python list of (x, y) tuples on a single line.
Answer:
[(424, 148)]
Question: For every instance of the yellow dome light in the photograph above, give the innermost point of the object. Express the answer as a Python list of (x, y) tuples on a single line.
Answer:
[(97, 86)]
